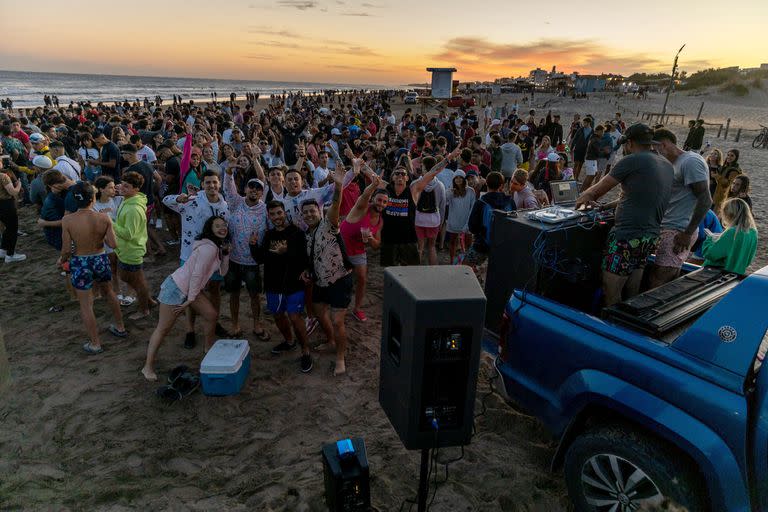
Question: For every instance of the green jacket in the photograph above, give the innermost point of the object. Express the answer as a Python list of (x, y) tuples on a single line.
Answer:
[(733, 250), (131, 230)]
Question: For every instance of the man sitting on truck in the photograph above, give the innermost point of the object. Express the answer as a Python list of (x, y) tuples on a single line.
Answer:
[(646, 186)]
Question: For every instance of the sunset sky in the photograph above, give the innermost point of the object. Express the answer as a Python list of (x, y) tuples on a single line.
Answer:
[(376, 41)]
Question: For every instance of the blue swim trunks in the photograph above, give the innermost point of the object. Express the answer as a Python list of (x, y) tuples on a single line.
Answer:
[(87, 269), (278, 303)]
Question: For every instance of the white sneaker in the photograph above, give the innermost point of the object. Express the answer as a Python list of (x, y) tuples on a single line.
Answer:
[(16, 257), (3, 253)]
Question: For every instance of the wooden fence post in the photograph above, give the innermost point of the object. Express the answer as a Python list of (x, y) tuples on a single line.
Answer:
[(720, 130), (727, 126), (738, 135), (698, 116)]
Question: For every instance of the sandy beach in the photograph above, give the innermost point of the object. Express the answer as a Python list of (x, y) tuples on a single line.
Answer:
[(80, 433)]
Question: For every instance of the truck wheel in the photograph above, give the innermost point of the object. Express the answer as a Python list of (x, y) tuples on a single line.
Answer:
[(621, 470)]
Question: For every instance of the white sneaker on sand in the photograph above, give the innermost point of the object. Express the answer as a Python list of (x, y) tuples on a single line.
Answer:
[(16, 257), (3, 253)]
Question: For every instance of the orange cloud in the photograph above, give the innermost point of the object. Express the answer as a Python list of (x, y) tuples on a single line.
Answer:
[(485, 59)]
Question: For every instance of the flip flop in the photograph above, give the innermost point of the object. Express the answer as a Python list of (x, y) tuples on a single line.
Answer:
[(56, 309), (177, 372), (91, 350), (114, 331), (263, 335)]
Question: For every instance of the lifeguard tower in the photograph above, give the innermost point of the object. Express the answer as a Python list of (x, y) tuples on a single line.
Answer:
[(442, 87)]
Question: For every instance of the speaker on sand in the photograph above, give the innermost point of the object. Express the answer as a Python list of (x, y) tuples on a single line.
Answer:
[(432, 330)]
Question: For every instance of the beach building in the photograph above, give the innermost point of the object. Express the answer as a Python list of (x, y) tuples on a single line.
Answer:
[(589, 83)]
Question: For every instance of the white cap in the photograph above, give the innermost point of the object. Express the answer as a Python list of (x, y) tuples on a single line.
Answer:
[(36, 137), (523, 128), (496, 122), (460, 174), (553, 157), (42, 161), (335, 131)]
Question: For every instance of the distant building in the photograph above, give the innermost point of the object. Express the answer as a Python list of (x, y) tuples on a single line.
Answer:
[(538, 77), (763, 66), (589, 83)]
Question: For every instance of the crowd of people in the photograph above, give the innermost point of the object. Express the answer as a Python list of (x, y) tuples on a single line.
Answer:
[(287, 198)]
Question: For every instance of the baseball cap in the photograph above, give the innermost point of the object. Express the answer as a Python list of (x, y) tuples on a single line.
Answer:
[(256, 183), (523, 128), (36, 137), (42, 161), (460, 174), (496, 122), (639, 133), (335, 131), (553, 157), (470, 172)]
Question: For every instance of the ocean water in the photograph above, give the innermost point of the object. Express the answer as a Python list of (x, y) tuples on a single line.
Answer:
[(26, 89)]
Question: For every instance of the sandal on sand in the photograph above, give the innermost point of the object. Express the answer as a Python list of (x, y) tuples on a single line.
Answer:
[(114, 331), (183, 385), (263, 335), (177, 372), (56, 309), (91, 350)]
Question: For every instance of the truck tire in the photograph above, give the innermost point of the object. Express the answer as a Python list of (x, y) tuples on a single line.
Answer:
[(620, 469)]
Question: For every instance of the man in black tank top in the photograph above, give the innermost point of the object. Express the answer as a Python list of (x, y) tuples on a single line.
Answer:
[(398, 235)]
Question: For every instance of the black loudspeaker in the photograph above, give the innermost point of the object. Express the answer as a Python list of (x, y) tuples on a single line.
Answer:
[(432, 329), (567, 269), (346, 476)]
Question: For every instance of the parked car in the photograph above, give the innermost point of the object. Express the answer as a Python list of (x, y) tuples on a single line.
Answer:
[(460, 101), (411, 97), (641, 418)]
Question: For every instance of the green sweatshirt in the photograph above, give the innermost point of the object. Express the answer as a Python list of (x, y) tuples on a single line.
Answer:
[(733, 250), (131, 230)]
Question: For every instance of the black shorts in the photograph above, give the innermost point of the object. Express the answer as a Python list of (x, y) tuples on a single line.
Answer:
[(338, 295), (237, 274), (399, 254)]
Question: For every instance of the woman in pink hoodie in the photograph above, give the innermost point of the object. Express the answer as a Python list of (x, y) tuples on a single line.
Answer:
[(182, 289)]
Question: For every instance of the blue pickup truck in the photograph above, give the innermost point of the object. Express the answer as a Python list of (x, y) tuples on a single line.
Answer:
[(659, 398)]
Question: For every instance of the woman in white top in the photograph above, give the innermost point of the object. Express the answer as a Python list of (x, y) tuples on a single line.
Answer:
[(460, 199), (88, 151), (108, 202)]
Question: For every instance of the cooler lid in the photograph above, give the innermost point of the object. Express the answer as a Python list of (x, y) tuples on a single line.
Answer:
[(225, 356)]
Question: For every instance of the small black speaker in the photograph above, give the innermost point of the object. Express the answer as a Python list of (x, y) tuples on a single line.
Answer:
[(432, 329), (346, 475)]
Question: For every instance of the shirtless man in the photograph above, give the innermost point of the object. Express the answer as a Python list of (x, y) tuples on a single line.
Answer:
[(86, 232)]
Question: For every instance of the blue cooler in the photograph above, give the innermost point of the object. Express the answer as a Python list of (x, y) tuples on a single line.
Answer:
[(225, 367)]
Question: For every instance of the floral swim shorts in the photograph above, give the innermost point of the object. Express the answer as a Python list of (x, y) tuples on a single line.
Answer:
[(625, 256), (87, 269)]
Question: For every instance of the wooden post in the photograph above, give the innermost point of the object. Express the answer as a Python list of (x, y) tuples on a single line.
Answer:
[(5, 368), (720, 130), (738, 135), (727, 125), (682, 119), (698, 116)]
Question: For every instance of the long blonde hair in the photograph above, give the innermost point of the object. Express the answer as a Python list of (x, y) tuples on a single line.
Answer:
[(736, 214), (718, 154)]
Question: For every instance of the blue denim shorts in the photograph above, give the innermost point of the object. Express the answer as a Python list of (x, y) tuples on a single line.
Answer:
[(170, 295)]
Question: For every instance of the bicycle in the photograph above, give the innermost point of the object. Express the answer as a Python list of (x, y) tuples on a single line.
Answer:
[(762, 138)]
